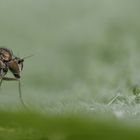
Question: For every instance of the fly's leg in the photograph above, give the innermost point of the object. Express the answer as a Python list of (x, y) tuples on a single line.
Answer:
[(9, 79), (1, 81), (19, 88), (3, 71)]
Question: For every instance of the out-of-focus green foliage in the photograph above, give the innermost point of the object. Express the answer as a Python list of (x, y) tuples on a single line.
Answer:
[(27, 125)]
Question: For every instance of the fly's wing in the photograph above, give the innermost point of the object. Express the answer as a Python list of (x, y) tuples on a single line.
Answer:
[(5, 54)]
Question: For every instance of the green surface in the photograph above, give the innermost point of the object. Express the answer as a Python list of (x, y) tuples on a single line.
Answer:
[(83, 81), (35, 126)]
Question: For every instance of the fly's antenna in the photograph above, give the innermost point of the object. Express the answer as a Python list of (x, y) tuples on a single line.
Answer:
[(20, 95), (28, 56)]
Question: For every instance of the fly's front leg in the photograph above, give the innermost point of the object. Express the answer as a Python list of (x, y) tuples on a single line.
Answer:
[(9, 79), (19, 87)]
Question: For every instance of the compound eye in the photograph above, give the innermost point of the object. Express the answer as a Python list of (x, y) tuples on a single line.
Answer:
[(20, 61)]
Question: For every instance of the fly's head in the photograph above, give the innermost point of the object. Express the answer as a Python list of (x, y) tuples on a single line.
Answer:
[(16, 66)]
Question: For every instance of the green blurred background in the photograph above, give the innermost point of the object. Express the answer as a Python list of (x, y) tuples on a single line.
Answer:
[(85, 52)]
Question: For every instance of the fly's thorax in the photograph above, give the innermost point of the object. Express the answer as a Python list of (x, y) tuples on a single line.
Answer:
[(5, 54)]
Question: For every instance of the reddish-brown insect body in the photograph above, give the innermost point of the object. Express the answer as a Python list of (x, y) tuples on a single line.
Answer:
[(10, 62)]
